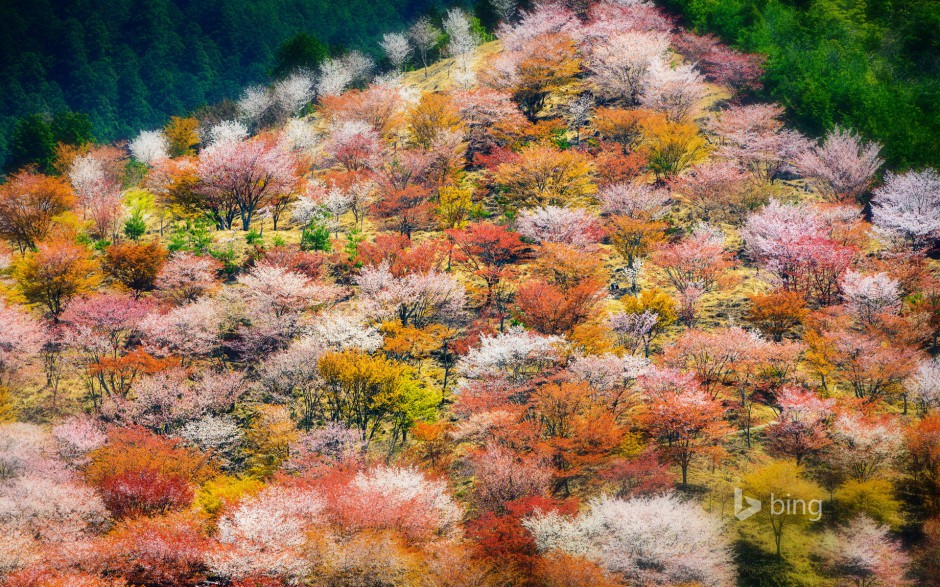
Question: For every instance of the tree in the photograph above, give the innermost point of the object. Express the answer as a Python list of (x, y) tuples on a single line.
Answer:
[(96, 177), (635, 238), (571, 226), (488, 251), (673, 90), (843, 166), (739, 72), (798, 245), (364, 392), (864, 554), (186, 277), (182, 135), (54, 273), (777, 312), (543, 65), (169, 550), (249, 174), (265, 534), (863, 444), (515, 355), (782, 478), (699, 260), (551, 309), (135, 266), (434, 114), (646, 540), (302, 52), (546, 176), (687, 424), (396, 48), (502, 476), (31, 142), (867, 296), (150, 146), (29, 205), (802, 429), (906, 207), (424, 35), (671, 146), (21, 339), (619, 64), (716, 191), (416, 299)]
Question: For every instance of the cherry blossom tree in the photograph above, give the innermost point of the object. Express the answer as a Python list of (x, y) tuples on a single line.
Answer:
[(423, 34), (571, 226), (149, 147), (186, 277), (97, 182), (843, 166), (864, 444), (924, 385), (266, 533), (515, 355), (907, 207), (21, 339), (795, 243), (699, 260), (649, 540), (251, 173), (864, 554), (619, 64), (801, 430), (501, 476), (754, 135), (189, 331), (396, 48), (416, 298), (636, 200), (227, 131), (674, 91), (870, 295)]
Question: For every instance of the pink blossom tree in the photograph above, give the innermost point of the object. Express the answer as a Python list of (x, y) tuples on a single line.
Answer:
[(415, 298), (619, 64), (636, 200), (755, 136), (251, 173), (188, 332), (186, 277), (265, 534), (21, 339), (843, 166), (865, 555), (801, 430), (570, 226)]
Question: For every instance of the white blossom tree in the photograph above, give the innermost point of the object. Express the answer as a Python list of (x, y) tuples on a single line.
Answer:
[(647, 540), (397, 49), (907, 207), (149, 147)]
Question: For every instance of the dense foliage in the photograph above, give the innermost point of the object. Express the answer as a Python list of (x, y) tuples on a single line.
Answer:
[(130, 65), (873, 65)]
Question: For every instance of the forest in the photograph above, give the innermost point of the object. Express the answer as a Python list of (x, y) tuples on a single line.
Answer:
[(548, 295), (130, 64), (873, 65)]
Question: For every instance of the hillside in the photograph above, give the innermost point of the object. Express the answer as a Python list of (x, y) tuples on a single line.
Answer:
[(574, 307)]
